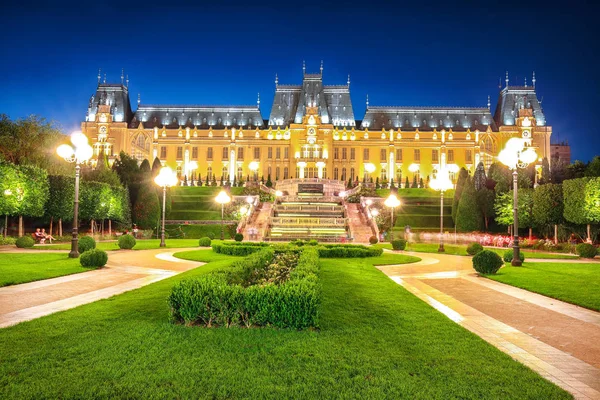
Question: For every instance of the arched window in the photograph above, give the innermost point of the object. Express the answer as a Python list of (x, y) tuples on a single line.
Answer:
[(224, 173), (344, 173), (335, 173), (209, 173), (239, 174), (352, 174), (383, 174), (285, 173), (277, 175)]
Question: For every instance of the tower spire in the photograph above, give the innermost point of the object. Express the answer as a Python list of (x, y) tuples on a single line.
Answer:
[(348, 80), (122, 72), (489, 104), (506, 79), (525, 81), (127, 80), (258, 100), (99, 70), (303, 67), (105, 77), (321, 67), (533, 80), (367, 100), (276, 79), (139, 99)]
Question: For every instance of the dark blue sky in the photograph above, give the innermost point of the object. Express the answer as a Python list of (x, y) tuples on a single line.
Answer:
[(427, 53)]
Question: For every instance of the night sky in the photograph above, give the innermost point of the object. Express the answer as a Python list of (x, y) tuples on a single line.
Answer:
[(437, 54)]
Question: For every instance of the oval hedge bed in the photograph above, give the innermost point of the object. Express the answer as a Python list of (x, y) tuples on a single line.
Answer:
[(267, 288), (238, 248), (348, 251)]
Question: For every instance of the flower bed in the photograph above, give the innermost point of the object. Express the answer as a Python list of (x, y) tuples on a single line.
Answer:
[(267, 288)]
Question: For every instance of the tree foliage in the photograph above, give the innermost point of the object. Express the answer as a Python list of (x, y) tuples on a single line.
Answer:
[(468, 215), (504, 208), (593, 167), (485, 203), (146, 211), (60, 197), (548, 205), (479, 179), (462, 177), (545, 178)]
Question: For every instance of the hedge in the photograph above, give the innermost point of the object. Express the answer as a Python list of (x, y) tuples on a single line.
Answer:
[(24, 242), (398, 244), (474, 248), (204, 242), (487, 262), (348, 251), (586, 250), (222, 299), (93, 258), (126, 242), (238, 248), (85, 243)]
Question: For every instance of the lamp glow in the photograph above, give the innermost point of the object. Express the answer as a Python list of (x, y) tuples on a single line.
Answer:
[(253, 166), (370, 167), (84, 152), (65, 151), (222, 198), (414, 167), (392, 202), (78, 139)]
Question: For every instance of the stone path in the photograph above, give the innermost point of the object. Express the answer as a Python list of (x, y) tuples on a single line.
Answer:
[(359, 228), (126, 270), (560, 341)]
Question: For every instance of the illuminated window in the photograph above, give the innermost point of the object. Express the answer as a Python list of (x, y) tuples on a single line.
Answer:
[(417, 155), (450, 155), (434, 155), (209, 173), (163, 152), (366, 154), (383, 174), (382, 154), (179, 152), (468, 156), (344, 153), (240, 153), (179, 170), (194, 152), (209, 153), (224, 174), (270, 153), (239, 174), (257, 153), (352, 154), (278, 153), (225, 153), (399, 155)]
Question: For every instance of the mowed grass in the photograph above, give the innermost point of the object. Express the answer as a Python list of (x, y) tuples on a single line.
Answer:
[(571, 282), (18, 268), (376, 341), (141, 244), (461, 250)]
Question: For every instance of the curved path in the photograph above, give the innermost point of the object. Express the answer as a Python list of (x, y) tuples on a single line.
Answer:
[(560, 341), (126, 270)]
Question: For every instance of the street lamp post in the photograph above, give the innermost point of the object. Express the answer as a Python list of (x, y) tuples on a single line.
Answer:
[(81, 153), (442, 183), (222, 198), (392, 202), (517, 154), (165, 178)]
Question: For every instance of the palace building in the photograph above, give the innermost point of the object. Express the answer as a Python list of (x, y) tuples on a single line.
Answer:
[(312, 132)]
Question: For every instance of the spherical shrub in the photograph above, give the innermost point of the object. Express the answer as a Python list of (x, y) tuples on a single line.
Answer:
[(474, 248), (238, 237), (508, 256), (313, 242), (86, 243), (373, 240), (586, 250), (398, 244), (24, 242), (487, 262), (204, 242), (93, 258), (126, 242)]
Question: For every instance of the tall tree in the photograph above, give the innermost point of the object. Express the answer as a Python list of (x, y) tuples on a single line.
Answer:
[(462, 177), (485, 202), (468, 216), (127, 168), (156, 166), (479, 179), (146, 211), (545, 178), (504, 208), (59, 206), (582, 201), (593, 167), (548, 207), (576, 170)]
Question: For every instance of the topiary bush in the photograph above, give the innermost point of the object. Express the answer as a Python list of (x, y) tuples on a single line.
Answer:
[(487, 262), (508, 255), (586, 250), (348, 251), (398, 244), (474, 248), (86, 243), (238, 248), (93, 258), (7, 240), (24, 242), (204, 242), (126, 242), (312, 242), (373, 240), (238, 237)]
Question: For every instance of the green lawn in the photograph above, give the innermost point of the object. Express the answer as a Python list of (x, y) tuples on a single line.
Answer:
[(574, 283), (18, 268), (142, 244), (461, 250), (375, 341)]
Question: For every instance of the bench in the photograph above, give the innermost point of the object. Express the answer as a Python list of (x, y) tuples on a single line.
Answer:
[(39, 240)]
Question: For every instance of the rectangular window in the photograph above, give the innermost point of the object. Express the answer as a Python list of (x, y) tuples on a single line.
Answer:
[(179, 152), (209, 153), (257, 153), (434, 156), (278, 153), (468, 156), (450, 155), (417, 155), (382, 155), (286, 153), (270, 153), (194, 152), (240, 153), (344, 153), (163, 152), (399, 155), (225, 153), (352, 154), (365, 154), (336, 153)]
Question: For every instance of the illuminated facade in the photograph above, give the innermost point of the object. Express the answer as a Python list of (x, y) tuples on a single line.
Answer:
[(312, 132)]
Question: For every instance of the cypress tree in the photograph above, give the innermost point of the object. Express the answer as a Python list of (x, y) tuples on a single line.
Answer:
[(414, 184), (377, 183), (462, 176), (207, 181), (545, 172), (269, 183), (479, 179), (407, 183), (468, 216), (156, 166), (421, 183)]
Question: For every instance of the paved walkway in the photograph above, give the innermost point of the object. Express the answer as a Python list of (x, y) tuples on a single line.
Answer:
[(560, 341), (126, 270)]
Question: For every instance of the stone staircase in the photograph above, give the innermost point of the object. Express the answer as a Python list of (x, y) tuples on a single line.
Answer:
[(358, 224), (260, 222)]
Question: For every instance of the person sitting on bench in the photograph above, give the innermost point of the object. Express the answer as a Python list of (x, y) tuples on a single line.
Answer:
[(38, 236), (50, 238)]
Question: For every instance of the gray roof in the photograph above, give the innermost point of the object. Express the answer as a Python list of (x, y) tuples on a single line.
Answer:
[(511, 99), (115, 95), (333, 102), (428, 118), (196, 115)]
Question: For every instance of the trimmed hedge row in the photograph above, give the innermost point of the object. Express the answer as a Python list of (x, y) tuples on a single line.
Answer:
[(238, 248), (348, 251), (214, 300)]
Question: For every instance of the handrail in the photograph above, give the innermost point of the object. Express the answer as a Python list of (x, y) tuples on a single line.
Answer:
[(307, 221)]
